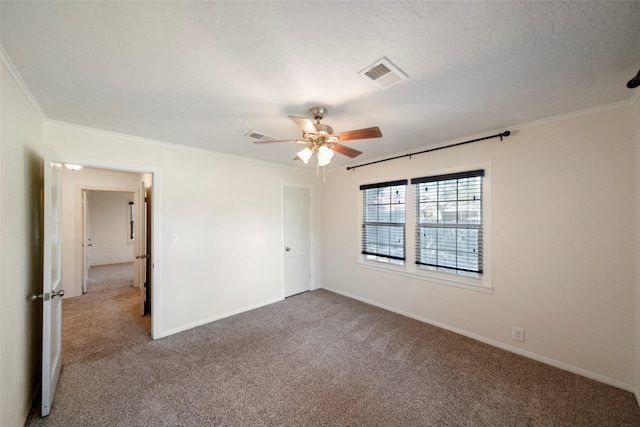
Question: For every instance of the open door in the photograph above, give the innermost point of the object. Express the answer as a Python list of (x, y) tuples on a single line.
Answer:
[(51, 306), (142, 257), (86, 241)]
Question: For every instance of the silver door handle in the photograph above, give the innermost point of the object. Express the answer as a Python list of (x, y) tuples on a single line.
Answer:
[(47, 296), (287, 249)]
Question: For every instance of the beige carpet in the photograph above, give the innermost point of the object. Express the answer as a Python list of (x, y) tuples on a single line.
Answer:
[(316, 359), (110, 276)]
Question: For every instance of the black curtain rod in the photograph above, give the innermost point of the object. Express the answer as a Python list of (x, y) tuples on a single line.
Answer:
[(498, 135)]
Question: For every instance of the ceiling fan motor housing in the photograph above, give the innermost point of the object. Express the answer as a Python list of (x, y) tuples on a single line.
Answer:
[(323, 129)]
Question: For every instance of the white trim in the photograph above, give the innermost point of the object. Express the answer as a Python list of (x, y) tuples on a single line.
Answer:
[(17, 78), (78, 288), (172, 145), (215, 318), (455, 281), (498, 344), (409, 268), (573, 114), (6, 61), (513, 128)]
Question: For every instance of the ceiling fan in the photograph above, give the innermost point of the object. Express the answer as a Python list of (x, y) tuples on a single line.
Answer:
[(321, 140)]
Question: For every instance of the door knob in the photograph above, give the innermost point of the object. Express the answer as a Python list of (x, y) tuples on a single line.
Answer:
[(47, 296), (287, 249)]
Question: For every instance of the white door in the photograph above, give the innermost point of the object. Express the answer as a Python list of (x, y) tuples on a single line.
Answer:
[(297, 232), (142, 257), (51, 306), (86, 241)]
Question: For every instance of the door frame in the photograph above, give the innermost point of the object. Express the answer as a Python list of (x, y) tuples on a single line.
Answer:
[(79, 240), (312, 251), (86, 257), (156, 244)]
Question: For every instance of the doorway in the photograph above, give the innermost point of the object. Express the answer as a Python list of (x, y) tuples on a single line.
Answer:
[(109, 229), (135, 190)]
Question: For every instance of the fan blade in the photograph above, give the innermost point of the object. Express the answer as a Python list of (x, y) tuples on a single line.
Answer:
[(305, 123), (347, 151), (297, 141), (366, 133)]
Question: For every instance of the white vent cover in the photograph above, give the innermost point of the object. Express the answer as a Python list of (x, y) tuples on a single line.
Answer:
[(384, 73), (260, 136)]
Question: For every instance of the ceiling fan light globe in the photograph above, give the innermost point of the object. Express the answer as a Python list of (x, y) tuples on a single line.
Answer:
[(305, 154), (323, 162), (325, 151), (325, 154)]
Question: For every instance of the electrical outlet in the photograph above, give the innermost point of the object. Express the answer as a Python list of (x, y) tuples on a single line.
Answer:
[(517, 334), (175, 237)]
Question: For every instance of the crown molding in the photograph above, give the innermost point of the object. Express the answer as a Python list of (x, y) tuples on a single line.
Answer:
[(17, 78), (171, 145)]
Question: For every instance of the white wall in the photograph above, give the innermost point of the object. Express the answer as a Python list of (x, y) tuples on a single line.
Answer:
[(227, 211), (73, 182), (21, 179), (109, 227), (563, 243)]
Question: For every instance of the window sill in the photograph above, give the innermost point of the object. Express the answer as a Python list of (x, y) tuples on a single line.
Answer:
[(431, 277)]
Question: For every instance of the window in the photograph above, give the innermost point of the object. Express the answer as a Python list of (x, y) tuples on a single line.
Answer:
[(449, 223), (383, 221)]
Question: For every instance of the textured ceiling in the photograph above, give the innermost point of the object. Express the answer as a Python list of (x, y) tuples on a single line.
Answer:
[(203, 74)]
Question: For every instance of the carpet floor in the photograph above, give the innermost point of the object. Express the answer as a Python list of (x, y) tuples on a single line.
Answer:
[(109, 276), (315, 359)]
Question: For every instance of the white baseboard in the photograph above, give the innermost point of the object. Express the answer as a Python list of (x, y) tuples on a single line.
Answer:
[(214, 318), (501, 345)]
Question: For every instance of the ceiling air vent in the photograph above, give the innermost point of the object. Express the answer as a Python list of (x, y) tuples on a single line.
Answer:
[(384, 73), (259, 136)]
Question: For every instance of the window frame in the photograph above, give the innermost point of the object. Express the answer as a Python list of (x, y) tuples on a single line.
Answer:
[(445, 185), (484, 283)]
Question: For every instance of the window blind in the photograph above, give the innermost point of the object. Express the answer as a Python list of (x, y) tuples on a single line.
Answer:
[(449, 222), (383, 220)]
